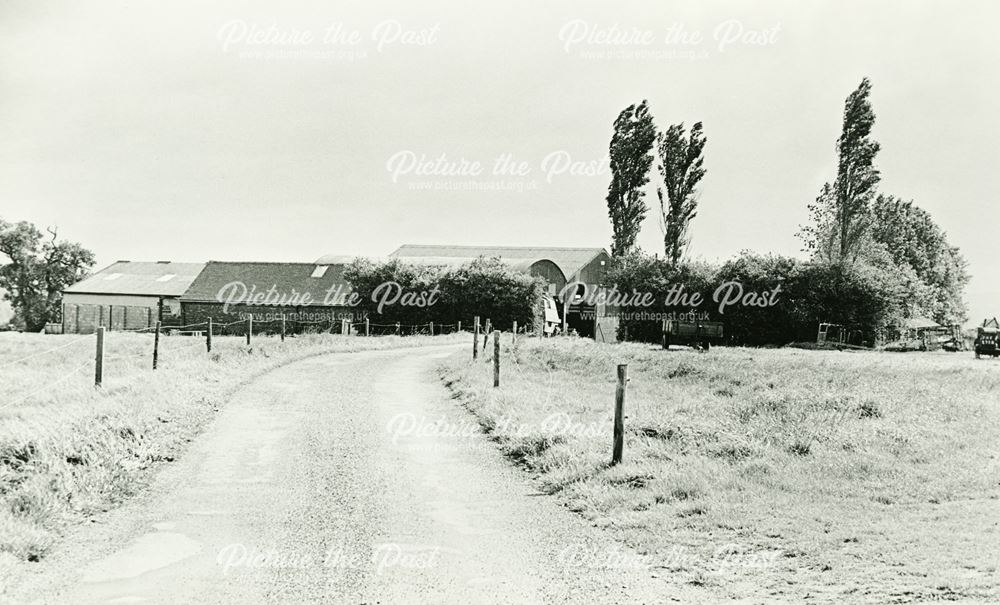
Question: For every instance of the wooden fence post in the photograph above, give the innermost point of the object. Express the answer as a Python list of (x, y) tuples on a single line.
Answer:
[(459, 329), (367, 333), (513, 337), (249, 329), (619, 430), (99, 358), (156, 345), (282, 327), (397, 328), (486, 334), (496, 359), (475, 337), (432, 328), (208, 336)]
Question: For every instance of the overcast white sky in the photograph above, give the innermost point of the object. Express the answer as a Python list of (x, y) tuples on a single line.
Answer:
[(165, 130)]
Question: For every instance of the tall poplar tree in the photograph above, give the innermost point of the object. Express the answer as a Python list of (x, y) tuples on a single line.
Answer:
[(681, 167), (631, 156), (840, 215)]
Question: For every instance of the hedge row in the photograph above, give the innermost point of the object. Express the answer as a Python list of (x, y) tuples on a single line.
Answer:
[(863, 299), (396, 291)]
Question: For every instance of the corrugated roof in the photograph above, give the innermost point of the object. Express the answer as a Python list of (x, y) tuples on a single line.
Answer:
[(288, 280), (920, 323), (335, 259), (569, 260), (520, 264), (140, 278)]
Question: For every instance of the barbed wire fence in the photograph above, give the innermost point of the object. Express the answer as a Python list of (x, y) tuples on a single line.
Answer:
[(503, 356), (100, 360)]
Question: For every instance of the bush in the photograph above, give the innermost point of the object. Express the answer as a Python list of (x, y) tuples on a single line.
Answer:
[(485, 287), (368, 279), (489, 288), (865, 299), (756, 326), (658, 277), (861, 298)]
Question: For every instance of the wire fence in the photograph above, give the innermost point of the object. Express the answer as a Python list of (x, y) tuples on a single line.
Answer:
[(45, 352), (101, 354)]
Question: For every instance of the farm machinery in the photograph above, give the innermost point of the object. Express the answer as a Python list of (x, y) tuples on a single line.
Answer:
[(697, 333), (988, 339)]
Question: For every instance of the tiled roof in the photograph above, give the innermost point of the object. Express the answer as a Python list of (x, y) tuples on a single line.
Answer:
[(288, 280), (140, 278), (569, 260)]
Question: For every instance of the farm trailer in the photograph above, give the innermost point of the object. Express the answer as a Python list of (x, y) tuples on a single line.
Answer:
[(697, 333)]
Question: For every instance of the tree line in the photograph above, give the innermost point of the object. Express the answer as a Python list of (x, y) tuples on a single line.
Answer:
[(875, 258)]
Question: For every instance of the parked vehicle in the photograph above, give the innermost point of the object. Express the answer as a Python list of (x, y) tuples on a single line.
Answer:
[(697, 333), (988, 339), (953, 345)]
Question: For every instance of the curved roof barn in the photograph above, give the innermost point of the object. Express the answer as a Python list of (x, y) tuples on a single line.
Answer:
[(556, 265), (570, 260)]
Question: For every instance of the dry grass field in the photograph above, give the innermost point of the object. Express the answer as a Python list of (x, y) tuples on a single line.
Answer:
[(766, 475), (69, 451)]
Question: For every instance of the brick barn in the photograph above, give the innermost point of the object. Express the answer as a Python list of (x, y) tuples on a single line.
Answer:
[(127, 296), (311, 296)]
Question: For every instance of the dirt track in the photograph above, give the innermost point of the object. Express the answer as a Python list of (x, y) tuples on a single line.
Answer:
[(308, 488)]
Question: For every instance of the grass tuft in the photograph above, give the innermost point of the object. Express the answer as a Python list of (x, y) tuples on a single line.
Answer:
[(773, 451)]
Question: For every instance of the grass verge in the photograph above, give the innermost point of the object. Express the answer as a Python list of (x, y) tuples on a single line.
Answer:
[(69, 451), (766, 474)]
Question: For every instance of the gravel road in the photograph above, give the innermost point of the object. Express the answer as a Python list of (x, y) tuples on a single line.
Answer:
[(348, 478)]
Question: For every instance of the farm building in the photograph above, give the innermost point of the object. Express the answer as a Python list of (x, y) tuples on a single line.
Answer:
[(306, 294), (557, 266), (127, 296)]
